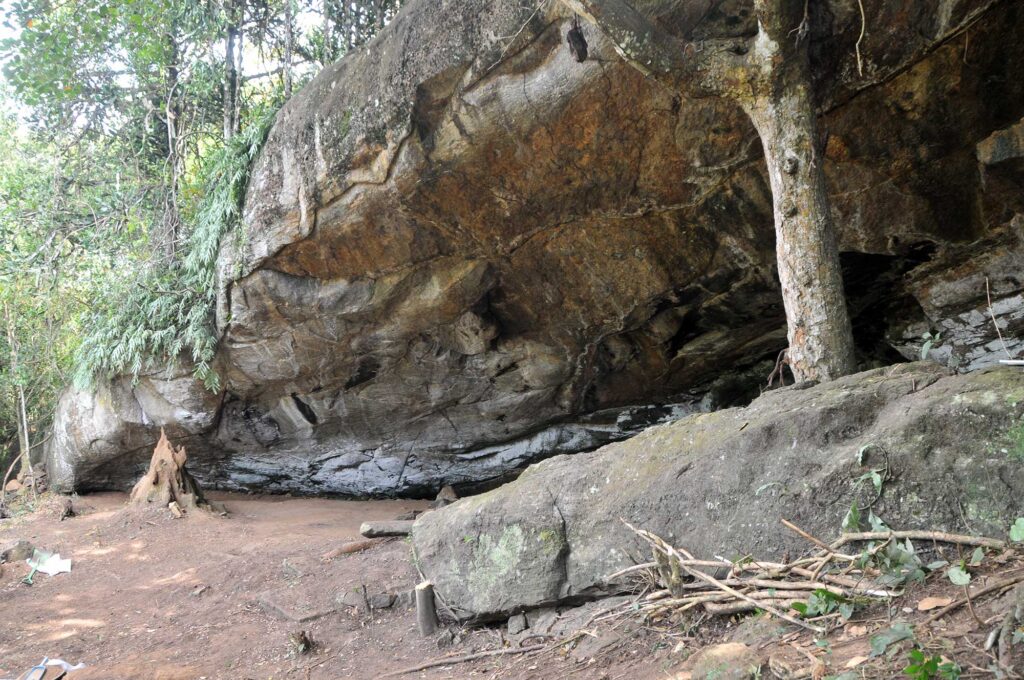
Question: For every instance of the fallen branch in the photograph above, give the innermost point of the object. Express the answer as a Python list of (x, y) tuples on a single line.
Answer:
[(940, 536), (350, 548), (629, 570), (446, 661), (395, 527), (1002, 585), (821, 544), (671, 552), (770, 586), (991, 313)]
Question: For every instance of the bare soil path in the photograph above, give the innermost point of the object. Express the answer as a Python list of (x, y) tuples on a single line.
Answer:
[(211, 597), (150, 597)]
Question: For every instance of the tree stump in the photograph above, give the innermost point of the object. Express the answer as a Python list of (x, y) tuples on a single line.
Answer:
[(167, 481), (426, 612)]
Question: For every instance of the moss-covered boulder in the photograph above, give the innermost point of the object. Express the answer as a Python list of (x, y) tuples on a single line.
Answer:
[(949, 449)]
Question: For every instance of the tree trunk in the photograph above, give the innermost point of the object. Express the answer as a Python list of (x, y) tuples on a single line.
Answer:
[(328, 52), (820, 338), (24, 438), (230, 72), (378, 19), (289, 46), (172, 115), (167, 481)]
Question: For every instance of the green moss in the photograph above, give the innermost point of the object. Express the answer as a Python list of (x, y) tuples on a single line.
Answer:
[(346, 123), (978, 505), (1014, 397), (550, 541), (1015, 441), (494, 560)]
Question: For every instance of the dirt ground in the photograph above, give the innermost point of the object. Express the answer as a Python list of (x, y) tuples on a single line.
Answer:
[(155, 598), (219, 597)]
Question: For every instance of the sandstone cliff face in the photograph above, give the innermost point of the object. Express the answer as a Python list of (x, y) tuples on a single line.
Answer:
[(464, 250)]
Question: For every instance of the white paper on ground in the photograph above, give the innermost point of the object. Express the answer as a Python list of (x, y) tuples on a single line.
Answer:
[(49, 564)]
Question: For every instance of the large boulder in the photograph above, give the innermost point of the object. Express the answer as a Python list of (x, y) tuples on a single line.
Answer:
[(950, 450), (460, 244), (104, 437)]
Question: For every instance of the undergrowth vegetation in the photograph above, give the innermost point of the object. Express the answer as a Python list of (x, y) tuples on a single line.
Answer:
[(169, 313)]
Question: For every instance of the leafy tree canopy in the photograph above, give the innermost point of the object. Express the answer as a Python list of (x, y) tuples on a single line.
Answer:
[(127, 131)]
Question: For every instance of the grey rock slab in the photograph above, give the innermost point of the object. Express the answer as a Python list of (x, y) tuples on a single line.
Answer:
[(517, 624), (718, 484)]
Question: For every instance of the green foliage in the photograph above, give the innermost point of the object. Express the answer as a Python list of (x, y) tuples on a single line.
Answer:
[(1017, 531), (116, 189), (922, 667), (930, 339), (822, 602), (63, 228), (1015, 438), (958, 575), (103, 65), (897, 561), (851, 522), (170, 312), (883, 640)]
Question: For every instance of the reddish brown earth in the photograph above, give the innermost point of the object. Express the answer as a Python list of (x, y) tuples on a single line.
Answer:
[(150, 597), (154, 597)]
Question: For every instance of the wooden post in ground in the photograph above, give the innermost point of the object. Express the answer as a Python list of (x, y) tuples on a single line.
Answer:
[(426, 613)]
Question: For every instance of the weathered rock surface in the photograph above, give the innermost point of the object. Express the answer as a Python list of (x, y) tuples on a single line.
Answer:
[(718, 483), (460, 243), (107, 435)]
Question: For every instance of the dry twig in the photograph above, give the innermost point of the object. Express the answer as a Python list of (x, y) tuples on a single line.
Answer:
[(446, 661), (1002, 585), (940, 536), (672, 553)]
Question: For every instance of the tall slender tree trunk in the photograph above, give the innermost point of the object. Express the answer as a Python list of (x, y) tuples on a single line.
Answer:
[(328, 34), (289, 46), (820, 337), (175, 167), (230, 71), (24, 437), (241, 6)]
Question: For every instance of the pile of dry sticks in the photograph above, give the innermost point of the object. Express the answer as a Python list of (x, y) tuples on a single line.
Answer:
[(682, 582)]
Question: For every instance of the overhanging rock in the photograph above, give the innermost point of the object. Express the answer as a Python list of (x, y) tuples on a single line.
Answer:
[(460, 244)]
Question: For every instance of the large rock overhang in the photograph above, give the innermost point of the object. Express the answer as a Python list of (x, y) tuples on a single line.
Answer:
[(459, 242)]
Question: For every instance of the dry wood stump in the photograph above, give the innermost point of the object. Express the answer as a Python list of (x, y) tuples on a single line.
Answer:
[(167, 481)]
